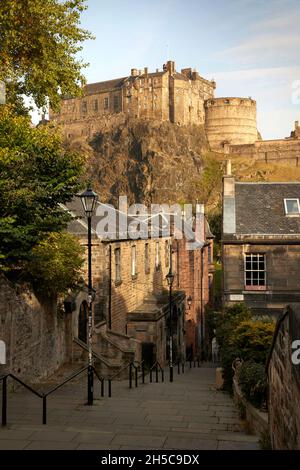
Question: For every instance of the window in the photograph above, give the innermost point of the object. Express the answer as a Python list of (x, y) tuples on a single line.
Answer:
[(118, 265), (116, 103), (167, 254), (147, 260), (96, 106), (106, 103), (84, 107), (292, 206), (133, 261), (255, 271), (157, 256)]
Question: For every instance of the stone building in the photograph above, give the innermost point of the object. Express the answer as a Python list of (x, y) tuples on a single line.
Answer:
[(261, 244), (165, 95), (195, 270), (131, 305)]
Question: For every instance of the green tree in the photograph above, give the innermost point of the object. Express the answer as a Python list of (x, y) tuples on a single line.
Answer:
[(39, 41), (36, 175), (56, 263)]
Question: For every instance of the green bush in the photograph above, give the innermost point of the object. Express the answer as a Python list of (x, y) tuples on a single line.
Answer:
[(252, 379), (241, 337)]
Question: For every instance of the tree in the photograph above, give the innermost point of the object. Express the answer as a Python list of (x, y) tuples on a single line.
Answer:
[(39, 40), (56, 263), (36, 175)]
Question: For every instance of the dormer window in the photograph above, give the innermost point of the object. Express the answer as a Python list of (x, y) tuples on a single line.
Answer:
[(292, 206)]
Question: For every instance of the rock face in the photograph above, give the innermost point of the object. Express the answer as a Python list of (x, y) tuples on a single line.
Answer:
[(149, 161)]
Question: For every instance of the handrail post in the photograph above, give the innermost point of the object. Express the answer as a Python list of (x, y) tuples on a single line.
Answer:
[(182, 367), (162, 376), (136, 376), (102, 388), (4, 401), (130, 375), (178, 368), (143, 372), (109, 388), (190, 362), (44, 409), (151, 375), (156, 373)]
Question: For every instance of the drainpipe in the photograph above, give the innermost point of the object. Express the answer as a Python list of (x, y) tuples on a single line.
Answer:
[(109, 290)]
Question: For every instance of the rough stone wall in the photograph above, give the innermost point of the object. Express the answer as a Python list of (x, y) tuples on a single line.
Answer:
[(230, 121), (284, 151), (38, 339), (284, 394)]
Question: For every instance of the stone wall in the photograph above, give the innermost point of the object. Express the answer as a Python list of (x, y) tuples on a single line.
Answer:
[(283, 275), (284, 390), (284, 151), (230, 121), (38, 339)]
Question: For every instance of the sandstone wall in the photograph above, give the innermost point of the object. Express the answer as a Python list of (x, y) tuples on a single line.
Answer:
[(230, 121), (284, 391), (284, 151), (38, 339)]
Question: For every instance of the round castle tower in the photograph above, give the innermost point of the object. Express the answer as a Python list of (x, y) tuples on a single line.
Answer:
[(230, 121)]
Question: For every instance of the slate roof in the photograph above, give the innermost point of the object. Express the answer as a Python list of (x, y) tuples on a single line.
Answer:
[(260, 208), (99, 87)]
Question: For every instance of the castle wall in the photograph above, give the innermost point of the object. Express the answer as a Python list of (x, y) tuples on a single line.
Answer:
[(230, 121), (270, 151)]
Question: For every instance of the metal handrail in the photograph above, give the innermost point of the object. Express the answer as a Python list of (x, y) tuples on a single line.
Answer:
[(157, 366), (43, 396)]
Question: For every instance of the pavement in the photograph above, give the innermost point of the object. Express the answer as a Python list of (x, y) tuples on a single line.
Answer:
[(188, 414)]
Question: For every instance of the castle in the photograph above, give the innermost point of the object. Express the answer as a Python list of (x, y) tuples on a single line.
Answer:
[(183, 98)]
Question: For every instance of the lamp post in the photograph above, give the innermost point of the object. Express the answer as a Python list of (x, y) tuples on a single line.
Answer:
[(170, 278), (189, 301), (89, 199)]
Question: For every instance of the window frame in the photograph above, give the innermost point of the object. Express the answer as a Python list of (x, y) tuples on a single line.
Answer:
[(252, 286), (157, 256), (147, 258), (285, 206)]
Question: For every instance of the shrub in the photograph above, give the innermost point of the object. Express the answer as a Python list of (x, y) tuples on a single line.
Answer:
[(253, 382)]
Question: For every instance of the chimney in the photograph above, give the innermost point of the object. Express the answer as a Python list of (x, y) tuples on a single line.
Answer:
[(228, 167), (296, 125), (171, 66), (157, 70), (133, 72), (146, 70), (229, 221)]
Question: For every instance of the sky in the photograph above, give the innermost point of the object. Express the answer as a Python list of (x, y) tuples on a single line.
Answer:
[(250, 47)]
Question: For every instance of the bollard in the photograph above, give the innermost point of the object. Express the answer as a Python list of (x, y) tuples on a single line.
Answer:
[(136, 376), (156, 373), (44, 410), (178, 368), (102, 388), (4, 401), (162, 376), (130, 375)]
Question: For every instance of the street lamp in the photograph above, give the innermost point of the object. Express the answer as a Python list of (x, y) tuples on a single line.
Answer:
[(189, 301), (89, 199), (170, 279)]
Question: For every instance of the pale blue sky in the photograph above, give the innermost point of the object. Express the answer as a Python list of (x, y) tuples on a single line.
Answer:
[(250, 47)]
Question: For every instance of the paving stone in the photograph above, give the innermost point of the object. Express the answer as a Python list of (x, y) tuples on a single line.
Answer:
[(13, 444), (190, 444), (231, 445), (51, 445), (49, 435), (96, 437)]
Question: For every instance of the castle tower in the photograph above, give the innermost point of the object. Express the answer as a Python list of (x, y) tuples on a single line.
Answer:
[(230, 121)]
